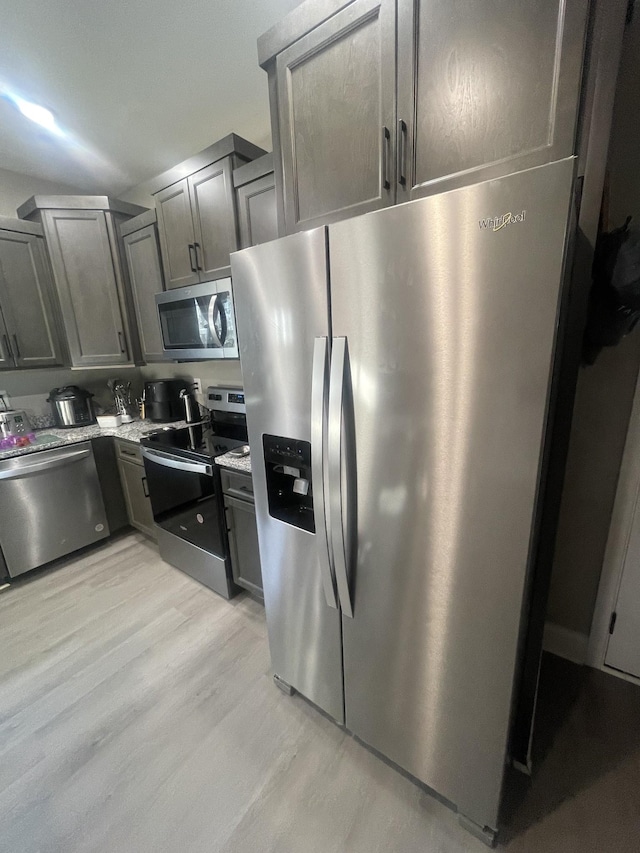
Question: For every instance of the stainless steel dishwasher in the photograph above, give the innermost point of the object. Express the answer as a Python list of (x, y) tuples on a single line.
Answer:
[(50, 505)]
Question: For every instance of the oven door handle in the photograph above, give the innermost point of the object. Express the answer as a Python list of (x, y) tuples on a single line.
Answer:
[(177, 462)]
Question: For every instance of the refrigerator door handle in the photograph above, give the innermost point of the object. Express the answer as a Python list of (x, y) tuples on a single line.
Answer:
[(318, 433), (335, 453)]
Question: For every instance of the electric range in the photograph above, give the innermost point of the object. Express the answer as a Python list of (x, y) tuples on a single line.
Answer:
[(185, 490)]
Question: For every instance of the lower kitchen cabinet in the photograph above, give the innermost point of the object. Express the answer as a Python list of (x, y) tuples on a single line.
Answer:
[(134, 487), (243, 530)]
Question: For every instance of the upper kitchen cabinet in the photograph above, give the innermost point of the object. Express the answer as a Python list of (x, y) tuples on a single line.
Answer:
[(29, 314), (485, 89), (196, 210), (255, 188), (332, 95), (142, 253), (475, 90), (86, 255)]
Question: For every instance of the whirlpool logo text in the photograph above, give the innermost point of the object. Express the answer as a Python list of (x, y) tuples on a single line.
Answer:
[(497, 223)]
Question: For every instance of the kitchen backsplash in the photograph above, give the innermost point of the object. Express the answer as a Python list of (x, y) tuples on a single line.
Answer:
[(210, 372), (37, 409), (29, 390)]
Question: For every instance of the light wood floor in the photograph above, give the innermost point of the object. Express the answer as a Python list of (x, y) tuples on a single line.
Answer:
[(137, 713)]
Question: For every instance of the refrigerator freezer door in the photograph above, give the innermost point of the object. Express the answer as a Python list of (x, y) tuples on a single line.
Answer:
[(449, 306), (281, 300)]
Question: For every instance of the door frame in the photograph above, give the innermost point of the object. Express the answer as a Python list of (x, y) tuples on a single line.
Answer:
[(626, 504)]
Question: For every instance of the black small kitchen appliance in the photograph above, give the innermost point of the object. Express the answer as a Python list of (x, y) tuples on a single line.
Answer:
[(162, 401)]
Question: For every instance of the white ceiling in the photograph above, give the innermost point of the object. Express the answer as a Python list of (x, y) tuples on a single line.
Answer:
[(139, 85)]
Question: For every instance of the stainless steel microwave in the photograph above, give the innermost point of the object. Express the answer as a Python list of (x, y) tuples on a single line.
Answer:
[(199, 321)]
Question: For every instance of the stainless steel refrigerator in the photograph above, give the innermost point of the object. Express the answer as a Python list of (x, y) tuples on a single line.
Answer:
[(397, 370)]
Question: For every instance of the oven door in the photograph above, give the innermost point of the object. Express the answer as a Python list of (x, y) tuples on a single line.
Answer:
[(185, 499)]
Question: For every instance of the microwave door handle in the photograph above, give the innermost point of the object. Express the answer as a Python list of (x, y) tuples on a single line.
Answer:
[(212, 323), (223, 319)]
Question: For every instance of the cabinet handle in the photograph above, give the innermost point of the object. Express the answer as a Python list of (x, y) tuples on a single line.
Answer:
[(196, 248), (145, 488), (123, 348), (7, 346), (402, 152), (17, 346), (192, 263), (386, 141)]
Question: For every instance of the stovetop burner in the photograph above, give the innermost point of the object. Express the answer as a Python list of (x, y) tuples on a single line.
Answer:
[(198, 441)]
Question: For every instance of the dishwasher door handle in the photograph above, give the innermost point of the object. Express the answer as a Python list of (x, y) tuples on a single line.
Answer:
[(25, 470)]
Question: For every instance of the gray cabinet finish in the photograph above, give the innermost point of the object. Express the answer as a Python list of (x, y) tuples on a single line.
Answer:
[(336, 110), (134, 487), (31, 333), (175, 229), (214, 218), (243, 530), (485, 89), (367, 110), (142, 254), (257, 211), (31, 208), (232, 144), (256, 202), (88, 288), (6, 355), (243, 543), (196, 209)]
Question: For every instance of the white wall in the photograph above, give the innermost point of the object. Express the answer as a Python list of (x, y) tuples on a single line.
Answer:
[(16, 188)]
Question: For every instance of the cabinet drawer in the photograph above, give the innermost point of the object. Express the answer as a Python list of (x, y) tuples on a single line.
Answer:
[(237, 484), (129, 451)]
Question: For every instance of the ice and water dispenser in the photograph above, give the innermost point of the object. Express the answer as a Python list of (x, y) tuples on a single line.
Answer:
[(289, 487)]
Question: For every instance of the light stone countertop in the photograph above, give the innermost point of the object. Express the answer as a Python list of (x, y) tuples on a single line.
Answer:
[(235, 463), (133, 431)]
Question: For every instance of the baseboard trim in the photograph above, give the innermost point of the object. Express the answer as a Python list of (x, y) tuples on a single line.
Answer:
[(568, 644)]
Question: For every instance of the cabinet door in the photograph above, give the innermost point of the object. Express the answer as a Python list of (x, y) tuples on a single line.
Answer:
[(136, 495), (143, 261), (214, 218), (336, 107), (243, 544), (485, 88), (257, 211), (175, 230), (87, 286), (27, 300), (6, 354)]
